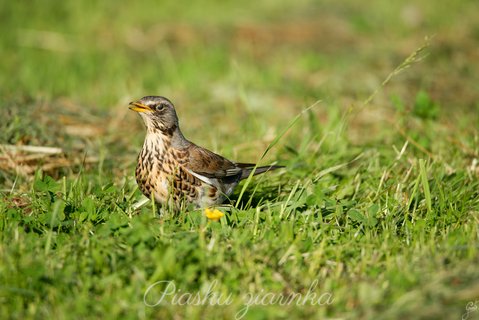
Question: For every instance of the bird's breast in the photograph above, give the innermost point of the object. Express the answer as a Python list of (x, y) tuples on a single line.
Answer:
[(162, 173), (150, 173)]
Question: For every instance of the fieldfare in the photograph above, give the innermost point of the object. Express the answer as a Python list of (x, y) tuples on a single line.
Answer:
[(173, 170)]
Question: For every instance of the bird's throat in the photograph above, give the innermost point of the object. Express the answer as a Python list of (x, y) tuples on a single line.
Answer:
[(156, 143)]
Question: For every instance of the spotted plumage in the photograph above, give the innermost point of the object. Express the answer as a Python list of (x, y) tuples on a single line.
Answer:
[(173, 170)]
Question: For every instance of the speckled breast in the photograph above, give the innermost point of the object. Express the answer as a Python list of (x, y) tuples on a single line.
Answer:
[(162, 176)]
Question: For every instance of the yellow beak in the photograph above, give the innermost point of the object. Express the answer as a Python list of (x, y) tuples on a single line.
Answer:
[(138, 107)]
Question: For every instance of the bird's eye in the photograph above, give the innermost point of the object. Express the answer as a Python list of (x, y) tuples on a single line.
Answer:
[(160, 107)]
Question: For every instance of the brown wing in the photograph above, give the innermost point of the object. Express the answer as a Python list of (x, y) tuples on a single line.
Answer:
[(210, 164)]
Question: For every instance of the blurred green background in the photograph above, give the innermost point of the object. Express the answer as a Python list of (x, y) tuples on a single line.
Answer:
[(231, 67), (270, 58)]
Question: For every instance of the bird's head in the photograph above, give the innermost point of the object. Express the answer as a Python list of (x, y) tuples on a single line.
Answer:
[(158, 113)]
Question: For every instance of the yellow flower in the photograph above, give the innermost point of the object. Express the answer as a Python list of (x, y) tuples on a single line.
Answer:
[(213, 214)]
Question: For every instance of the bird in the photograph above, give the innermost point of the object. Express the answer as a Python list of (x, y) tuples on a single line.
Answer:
[(173, 171)]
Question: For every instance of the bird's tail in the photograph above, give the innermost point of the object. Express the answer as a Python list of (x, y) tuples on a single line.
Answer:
[(248, 167)]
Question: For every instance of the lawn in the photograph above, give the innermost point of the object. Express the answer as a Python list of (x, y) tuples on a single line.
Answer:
[(372, 108)]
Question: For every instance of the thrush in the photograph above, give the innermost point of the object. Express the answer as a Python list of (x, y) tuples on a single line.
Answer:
[(173, 170)]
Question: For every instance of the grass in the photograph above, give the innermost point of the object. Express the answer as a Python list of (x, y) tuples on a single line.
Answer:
[(376, 212)]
